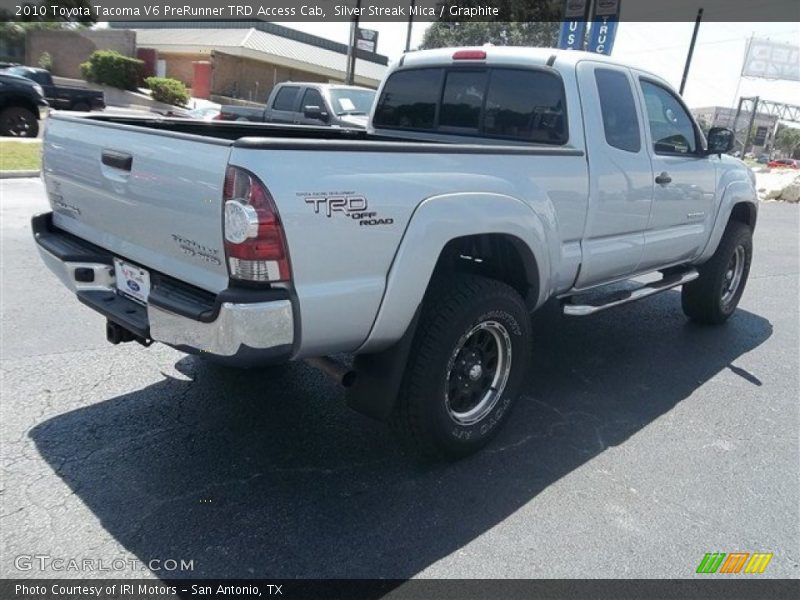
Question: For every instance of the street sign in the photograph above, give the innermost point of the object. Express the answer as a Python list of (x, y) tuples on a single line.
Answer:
[(573, 25), (604, 26), (772, 60), (367, 40)]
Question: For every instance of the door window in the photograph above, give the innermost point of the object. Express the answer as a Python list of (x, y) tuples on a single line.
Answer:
[(285, 98), (312, 97), (671, 126), (620, 122)]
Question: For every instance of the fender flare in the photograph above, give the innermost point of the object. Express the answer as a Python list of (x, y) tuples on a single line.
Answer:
[(739, 191), (435, 222)]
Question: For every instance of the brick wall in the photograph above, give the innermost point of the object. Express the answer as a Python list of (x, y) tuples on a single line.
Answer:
[(179, 66), (68, 49), (249, 79)]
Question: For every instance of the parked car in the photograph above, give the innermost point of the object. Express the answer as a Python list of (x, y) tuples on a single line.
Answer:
[(763, 159), (22, 104), (60, 96), (421, 245), (309, 104), (783, 163)]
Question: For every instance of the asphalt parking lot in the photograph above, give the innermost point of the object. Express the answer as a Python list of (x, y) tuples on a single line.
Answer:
[(642, 442)]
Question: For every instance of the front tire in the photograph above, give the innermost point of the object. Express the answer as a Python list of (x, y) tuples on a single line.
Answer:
[(713, 297), (18, 121), (465, 368)]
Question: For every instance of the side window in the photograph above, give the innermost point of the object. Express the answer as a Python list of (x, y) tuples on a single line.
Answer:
[(462, 100), (312, 97), (409, 99), (670, 125), (526, 105), (285, 98), (620, 122)]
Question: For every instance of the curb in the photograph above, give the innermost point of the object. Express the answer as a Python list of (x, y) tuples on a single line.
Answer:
[(18, 174)]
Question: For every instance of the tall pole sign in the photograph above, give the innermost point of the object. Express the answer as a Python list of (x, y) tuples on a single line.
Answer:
[(573, 24), (605, 19)]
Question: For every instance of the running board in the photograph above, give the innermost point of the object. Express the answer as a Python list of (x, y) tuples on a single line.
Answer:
[(668, 282)]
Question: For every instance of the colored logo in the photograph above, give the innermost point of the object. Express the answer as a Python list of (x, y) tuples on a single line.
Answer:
[(735, 562), (133, 285)]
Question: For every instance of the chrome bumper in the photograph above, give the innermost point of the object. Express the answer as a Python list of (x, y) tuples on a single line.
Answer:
[(260, 326), (250, 330)]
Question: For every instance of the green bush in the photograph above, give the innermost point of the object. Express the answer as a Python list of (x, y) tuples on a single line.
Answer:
[(170, 91), (112, 68), (46, 61)]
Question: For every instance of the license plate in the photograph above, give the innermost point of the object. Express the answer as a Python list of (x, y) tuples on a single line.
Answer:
[(132, 281)]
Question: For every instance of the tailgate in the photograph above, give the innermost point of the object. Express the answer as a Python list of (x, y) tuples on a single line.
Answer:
[(152, 197)]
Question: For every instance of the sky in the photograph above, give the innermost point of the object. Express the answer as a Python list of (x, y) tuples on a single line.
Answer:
[(660, 48)]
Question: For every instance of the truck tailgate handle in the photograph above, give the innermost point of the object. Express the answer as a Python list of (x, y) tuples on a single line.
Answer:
[(118, 160)]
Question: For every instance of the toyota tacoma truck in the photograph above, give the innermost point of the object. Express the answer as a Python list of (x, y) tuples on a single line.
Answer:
[(490, 181)]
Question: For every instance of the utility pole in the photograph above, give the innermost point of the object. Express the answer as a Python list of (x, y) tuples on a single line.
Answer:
[(410, 23), (691, 50), (750, 124), (351, 48)]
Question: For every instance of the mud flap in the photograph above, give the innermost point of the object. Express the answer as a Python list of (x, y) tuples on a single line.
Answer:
[(380, 375)]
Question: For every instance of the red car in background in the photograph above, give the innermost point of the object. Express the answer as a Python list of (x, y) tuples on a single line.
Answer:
[(784, 163)]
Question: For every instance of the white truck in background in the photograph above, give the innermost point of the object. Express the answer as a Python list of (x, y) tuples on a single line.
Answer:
[(490, 180)]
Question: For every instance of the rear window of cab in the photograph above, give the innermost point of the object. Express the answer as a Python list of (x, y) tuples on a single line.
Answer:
[(517, 104)]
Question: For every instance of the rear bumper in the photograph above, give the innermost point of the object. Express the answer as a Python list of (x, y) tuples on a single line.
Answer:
[(243, 327)]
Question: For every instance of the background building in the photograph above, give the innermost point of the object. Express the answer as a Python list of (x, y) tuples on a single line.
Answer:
[(764, 125), (248, 58)]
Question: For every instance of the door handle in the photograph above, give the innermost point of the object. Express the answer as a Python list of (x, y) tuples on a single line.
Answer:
[(663, 179), (118, 160)]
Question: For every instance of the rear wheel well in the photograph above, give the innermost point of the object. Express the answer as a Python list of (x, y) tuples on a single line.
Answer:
[(497, 256), (744, 212)]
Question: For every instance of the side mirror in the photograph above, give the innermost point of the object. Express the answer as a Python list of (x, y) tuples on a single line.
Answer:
[(315, 112), (720, 140)]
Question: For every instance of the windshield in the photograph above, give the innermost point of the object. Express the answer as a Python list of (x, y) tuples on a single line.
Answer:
[(26, 73), (352, 102)]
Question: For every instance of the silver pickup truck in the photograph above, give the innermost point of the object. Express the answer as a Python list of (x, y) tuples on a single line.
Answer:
[(301, 103), (490, 180)]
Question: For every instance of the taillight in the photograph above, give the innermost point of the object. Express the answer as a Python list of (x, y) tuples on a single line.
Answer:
[(469, 55), (255, 245)]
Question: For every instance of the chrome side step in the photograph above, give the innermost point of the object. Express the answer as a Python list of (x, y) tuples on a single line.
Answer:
[(668, 282)]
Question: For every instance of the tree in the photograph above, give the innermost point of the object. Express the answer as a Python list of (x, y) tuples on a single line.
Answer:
[(518, 23), (788, 140), (448, 34)]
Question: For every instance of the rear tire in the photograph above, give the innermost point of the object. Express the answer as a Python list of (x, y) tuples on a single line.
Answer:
[(18, 121), (713, 297), (465, 369)]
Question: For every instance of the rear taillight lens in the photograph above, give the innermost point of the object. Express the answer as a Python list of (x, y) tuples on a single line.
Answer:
[(255, 244)]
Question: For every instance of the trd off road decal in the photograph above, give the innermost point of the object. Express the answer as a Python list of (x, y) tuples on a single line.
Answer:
[(349, 204)]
